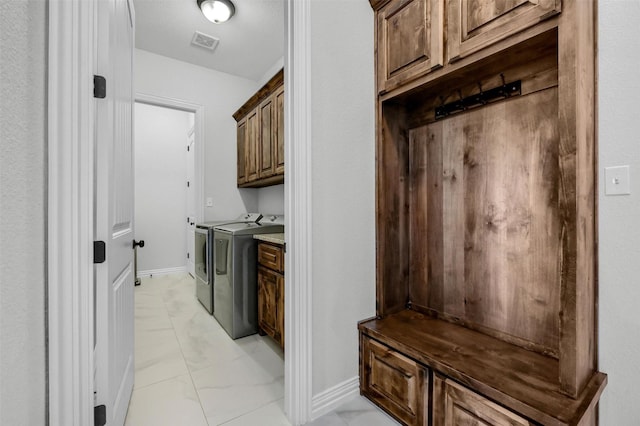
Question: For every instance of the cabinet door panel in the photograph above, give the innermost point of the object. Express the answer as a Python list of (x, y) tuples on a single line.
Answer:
[(410, 40), (271, 256), (241, 151), (395, 382), (266, 139), (252, 146), (279, 134), (268, 301), (476, 24), (464, 407)]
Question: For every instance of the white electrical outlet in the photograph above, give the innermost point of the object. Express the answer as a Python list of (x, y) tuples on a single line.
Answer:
[(617, 180), (209, 202)]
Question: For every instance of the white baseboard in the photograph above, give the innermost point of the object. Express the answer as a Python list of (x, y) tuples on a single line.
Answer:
[(332, 398), (165, 271)]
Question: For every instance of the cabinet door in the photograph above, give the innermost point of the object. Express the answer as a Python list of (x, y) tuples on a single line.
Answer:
[(252, 146), (241, 151), (271, 256), (463, 407), (394, 382), (269, 283), (266, 166), (476, 24), (278, 149), (409, 40)]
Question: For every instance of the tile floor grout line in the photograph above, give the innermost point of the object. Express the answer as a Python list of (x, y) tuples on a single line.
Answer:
[(248, 412), (173, 327)]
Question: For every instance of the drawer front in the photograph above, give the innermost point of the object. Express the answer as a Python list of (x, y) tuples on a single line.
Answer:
[(410, 40), (271, 256), (463, 407), (476, 24), (394, 382)]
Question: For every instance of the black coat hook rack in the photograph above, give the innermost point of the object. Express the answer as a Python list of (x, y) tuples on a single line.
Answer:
[(507, 90)]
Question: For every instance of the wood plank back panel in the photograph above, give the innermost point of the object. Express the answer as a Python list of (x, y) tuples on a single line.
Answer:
[(497, 201)]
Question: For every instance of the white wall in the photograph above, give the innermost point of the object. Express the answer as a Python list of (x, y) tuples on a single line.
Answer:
[(23, 201), (619, 216), (160, 186), (343, 184), (271, 200), (221, 95)]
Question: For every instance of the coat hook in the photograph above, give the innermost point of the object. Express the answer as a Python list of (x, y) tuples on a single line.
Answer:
[(461, 101), (480, 98)]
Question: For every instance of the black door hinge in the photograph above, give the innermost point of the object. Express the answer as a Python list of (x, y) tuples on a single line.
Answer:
[(99, 87), (187, 255), (100, 415), (99, 252), (188, 184)]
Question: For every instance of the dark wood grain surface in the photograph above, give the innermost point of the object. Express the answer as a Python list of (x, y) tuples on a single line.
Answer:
[(524, 381)]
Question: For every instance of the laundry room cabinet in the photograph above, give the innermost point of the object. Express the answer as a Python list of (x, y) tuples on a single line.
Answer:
[(486, 218), (271, 291), (260, 136)]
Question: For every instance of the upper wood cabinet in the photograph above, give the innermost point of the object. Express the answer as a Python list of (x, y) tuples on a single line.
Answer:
[(410, 36), (476, 24), (261, 136)]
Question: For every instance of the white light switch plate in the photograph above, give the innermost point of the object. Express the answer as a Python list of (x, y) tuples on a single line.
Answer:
[(209, 202), (617, 180)]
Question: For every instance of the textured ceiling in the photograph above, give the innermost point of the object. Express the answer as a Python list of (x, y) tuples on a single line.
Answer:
[(250, 42)]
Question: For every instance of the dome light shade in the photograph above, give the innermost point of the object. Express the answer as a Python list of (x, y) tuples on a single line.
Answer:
[(217, 11)]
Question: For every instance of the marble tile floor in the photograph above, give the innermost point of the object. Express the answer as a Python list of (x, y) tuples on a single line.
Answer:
[(188, 372)]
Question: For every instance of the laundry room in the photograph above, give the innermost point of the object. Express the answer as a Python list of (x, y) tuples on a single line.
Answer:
[(209, 294)]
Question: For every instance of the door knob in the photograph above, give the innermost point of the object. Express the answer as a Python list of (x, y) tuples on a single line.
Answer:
[(138, 243)]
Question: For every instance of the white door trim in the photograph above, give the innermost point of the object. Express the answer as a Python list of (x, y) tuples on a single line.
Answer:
[(199, 154), (70, 211), (298, 186)]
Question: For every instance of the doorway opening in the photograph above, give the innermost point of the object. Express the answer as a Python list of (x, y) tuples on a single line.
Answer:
[(165, 209)]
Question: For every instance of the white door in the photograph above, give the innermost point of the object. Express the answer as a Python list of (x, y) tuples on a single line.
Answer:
[(191, 201), (115, 210)]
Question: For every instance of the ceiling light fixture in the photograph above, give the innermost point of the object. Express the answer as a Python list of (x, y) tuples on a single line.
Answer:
[(217, 11)]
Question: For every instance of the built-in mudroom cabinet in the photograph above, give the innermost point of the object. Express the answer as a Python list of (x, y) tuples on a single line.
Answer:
[(486, 214)]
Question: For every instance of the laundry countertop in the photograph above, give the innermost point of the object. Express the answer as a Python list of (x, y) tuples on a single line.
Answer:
[(271, 238)]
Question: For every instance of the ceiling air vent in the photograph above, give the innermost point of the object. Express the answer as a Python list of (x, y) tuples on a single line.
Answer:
[(204, 40)]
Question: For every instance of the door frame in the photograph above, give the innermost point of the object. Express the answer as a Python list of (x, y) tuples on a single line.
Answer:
[(298, 186), (71, 117), (70, 280), (198, 126)]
